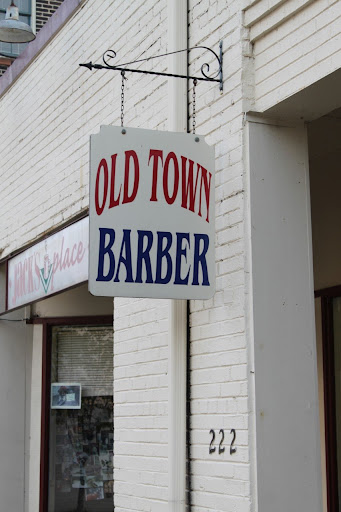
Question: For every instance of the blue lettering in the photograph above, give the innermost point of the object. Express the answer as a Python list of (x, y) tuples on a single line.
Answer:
[(143, 255), (200, 257), (181, 251), (161, 254), (103, 250), (126, 245)]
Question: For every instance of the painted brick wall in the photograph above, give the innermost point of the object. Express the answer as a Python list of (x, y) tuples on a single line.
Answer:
[(48, 115), (51, 111), (296, 43), (218, 349), (141, 405)]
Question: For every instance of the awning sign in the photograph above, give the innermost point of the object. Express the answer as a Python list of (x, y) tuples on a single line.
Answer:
[(151, 214), (50, 266)]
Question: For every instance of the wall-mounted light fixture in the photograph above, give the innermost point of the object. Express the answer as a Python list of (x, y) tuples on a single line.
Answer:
[(12, 30)]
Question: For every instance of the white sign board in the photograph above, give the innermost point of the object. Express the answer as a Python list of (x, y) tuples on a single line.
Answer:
[(57, 263), (151, 214)]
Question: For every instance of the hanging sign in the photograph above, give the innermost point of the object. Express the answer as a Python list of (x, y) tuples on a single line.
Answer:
[(55, 264), (151, 214)]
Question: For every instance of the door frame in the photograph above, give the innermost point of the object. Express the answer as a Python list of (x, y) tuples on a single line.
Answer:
[(327, 295)]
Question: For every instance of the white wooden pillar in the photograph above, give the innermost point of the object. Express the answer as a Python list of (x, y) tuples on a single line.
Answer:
[(287, 416)]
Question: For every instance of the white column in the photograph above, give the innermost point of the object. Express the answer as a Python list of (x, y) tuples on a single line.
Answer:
[(177, 115), (287, 415)]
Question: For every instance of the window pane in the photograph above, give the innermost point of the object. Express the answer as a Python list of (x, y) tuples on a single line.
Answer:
[(24, 5)]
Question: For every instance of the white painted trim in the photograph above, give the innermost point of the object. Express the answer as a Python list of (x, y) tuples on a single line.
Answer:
[(35, 421), (249, 326), (256, 117), (177, 363), (287, 422)]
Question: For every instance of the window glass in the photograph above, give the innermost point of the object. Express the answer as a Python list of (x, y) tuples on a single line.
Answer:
[(81, 420)]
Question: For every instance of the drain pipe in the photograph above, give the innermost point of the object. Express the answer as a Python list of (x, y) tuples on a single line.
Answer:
[(177, 359)]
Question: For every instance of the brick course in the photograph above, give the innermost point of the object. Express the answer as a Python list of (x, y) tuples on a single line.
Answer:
[(45, 9)]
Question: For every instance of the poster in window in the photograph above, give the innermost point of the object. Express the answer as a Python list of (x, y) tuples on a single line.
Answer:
[(65, 395)]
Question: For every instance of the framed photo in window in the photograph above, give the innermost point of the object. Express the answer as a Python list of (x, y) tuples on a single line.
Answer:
[(65, 395)]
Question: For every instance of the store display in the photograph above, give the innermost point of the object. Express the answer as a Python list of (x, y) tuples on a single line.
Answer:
[(82, 453)]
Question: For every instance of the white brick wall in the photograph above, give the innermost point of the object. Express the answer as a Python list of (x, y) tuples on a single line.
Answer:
[(218, 365), (295, 44), (46, 119), (49, 113), (141, 405)]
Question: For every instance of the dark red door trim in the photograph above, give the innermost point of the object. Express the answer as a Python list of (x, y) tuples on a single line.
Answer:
[(329, 402), (45, 419)]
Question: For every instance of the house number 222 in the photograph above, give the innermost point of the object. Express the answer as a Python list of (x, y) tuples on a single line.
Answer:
[(221, 448)]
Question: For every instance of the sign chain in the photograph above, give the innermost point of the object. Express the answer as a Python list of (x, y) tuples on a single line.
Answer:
[(122, 97), (195, 81)]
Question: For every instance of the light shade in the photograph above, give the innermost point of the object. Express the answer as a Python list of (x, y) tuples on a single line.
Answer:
[(14, 31)]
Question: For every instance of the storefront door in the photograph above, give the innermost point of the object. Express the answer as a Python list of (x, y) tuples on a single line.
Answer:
[(79, 434)]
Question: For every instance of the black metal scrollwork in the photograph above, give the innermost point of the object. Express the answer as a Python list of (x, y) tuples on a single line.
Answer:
[(205, 68)]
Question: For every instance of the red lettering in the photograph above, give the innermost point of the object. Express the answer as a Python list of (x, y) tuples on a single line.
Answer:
[(36, 270), (73, 259), (113, 202), (19, 280), (16, 284), (80, 252), (22, 278), (61, 255), (66, 262), (170, 198), (126, 197), (30, 274), (207, 186), (156, 154), (25, 276), (55, 265), (55, 262), (188, 191), (102, 165)]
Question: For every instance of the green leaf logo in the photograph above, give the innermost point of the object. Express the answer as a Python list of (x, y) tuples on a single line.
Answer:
[(46, 281)]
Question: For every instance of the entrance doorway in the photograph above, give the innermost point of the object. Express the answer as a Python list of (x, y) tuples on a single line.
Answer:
[(77, 415), (324, 136), (81, 420)]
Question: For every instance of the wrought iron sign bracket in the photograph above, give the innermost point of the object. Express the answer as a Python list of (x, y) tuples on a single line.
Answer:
[(205, 68)]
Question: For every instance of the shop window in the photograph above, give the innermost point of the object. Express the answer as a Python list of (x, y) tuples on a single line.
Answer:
[(81, 420), (25, 15)]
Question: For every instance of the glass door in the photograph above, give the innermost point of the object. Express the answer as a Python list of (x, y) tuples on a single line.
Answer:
[(81, 420)]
